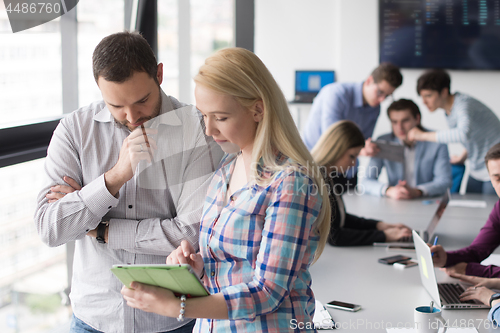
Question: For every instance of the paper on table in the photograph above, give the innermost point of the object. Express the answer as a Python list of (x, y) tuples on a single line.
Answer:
[(467, 203), (390, 151), (322, 317), (450, 330)]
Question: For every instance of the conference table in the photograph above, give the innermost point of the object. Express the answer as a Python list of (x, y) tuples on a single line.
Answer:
[(388, 295)]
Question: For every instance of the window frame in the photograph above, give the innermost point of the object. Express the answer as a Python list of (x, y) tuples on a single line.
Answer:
[(29, 141)]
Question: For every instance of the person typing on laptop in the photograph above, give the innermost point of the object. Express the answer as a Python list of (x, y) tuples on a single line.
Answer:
[(426, 170), (467, 260), (482, 292)]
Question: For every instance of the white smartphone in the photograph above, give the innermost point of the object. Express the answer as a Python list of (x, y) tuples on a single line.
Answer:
[(343, 306), (405, 264)]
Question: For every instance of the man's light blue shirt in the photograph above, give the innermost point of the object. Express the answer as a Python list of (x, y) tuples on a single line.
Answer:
[(335, 102), (494, 315)]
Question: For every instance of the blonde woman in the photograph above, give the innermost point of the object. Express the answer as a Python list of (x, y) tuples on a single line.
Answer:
[(266, 216), (336, 151)]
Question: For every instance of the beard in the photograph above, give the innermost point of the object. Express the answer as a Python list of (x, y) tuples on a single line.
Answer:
[(156, 112)]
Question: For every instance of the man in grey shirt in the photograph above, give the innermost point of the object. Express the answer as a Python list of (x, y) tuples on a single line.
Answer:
[(126, 177)]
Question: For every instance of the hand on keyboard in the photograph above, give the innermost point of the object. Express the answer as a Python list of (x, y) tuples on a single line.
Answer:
[(481, 294), (396, 234)]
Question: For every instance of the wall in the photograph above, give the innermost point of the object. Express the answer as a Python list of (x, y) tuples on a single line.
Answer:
[(295, 34), (343, 35)]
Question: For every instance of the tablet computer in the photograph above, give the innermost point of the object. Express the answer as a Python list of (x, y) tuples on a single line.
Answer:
[(391, 151), (180, 279)]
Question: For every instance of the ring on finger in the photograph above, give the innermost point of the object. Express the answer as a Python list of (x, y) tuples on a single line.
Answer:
[(142, 149)]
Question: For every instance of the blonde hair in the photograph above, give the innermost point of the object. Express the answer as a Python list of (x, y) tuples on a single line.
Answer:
[(241, 74), (335, 141)]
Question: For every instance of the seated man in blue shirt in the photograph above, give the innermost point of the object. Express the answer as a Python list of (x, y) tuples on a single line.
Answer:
[(426, 170), (358, 102)]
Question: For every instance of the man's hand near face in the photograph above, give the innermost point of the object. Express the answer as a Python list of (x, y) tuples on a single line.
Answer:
[(134, 149)]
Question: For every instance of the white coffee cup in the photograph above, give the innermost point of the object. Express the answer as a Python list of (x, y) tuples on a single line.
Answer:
[(427, 320)]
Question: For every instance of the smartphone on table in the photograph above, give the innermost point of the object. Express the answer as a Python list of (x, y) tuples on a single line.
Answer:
[(393, 259), (401, 248), (343, 306)]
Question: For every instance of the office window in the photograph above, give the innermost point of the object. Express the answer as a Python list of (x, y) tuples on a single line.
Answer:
[(168, 45), (96, 20), (211, 28), (33, 276), (30, 72)]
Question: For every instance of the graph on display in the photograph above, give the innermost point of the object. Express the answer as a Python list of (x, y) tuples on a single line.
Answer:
[(454, 34)]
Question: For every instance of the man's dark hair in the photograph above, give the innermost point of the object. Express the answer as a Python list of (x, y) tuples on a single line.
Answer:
[(119, 55), (492, 154), (435, 79), (406, 104), (388, 72)]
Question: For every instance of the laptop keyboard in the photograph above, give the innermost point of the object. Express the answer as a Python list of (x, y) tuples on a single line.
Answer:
[(450, 292)]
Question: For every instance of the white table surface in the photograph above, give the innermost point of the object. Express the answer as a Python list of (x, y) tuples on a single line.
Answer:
[(387, 295)]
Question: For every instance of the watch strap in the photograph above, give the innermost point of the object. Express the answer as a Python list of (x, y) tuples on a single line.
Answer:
[(101, 232), (494, 297)]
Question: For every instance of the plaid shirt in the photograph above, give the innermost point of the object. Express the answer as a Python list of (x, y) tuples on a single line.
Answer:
[(257, 250)]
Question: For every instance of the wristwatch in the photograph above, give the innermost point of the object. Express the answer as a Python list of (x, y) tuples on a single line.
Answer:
[(494, 297), (101, 231)]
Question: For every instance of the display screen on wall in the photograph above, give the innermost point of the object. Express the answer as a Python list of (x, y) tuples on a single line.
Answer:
[(454, 34)]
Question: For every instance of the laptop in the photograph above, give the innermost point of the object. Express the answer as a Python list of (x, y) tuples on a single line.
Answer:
[(308, 83), (426, 234), (445, 295)]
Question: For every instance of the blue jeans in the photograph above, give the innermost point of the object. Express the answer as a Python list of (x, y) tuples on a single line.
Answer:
[(79, 326), (477, 186)]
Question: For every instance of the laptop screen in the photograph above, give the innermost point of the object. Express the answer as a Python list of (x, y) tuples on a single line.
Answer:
[(437, 216), (426, 267), (312, 81)]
